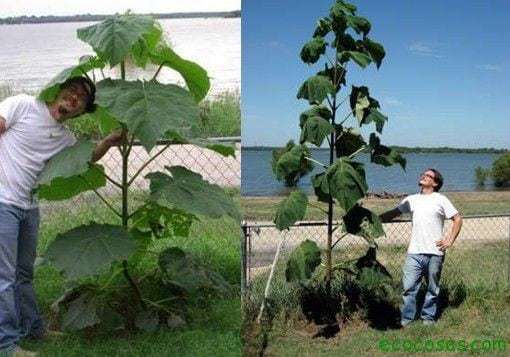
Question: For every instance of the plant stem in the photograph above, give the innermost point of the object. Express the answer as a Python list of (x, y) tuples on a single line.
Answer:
[(317, 206), (316, 162), (346, 117), (338, 240), (112, 181), (147, 163), (108, 204), (357, 151), (269, 279), (157, 72)]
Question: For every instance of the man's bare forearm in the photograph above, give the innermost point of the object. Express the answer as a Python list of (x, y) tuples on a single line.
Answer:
[(100, 150), (455, 229)]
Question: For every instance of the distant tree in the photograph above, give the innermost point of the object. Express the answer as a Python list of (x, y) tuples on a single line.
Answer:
[(501, 170), (481, 175)]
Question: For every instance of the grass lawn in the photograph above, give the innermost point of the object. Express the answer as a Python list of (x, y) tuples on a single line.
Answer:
[(468, 203), (475, 279), (211, 330)]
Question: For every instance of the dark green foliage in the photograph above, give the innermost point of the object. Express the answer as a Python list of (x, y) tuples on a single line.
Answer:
[(312, 50), (289, 163), (315, 89), (364, 223), (383, 155), (302, 262), (501, 170), (481, 175), (291, 210)]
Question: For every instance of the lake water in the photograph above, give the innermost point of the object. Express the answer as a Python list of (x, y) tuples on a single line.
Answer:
[(31, 54), (457, 170)]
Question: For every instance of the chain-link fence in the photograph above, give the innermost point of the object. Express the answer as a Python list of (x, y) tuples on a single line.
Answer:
[(479, 257), (215, 168)]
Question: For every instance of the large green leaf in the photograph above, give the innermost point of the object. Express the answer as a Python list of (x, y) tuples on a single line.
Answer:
[(376, 50), (70, 172), (302, 262), (364, 223), (323, 27), (113, 38), (365, 108), (314, 111), (149, 109), (314, 130), (315, 89), (290, 163), (346, 182), (65, 188), (321, 187), (358, 24), (146, 44), (291, 210), (313, 49), (187, 191), (344, 7), (348, 141), (183, 272), (344, 42), (360, 58), (338, 16), (383, 155), (196, 77), (87, 250), (86, 64), (81, 313)]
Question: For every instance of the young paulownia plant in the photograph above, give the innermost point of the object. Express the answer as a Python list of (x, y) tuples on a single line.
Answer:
[(339, 38), (101, 261)]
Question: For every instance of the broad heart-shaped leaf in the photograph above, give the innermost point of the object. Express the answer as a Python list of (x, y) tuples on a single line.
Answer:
[(87, 250), (358, 24), (315, 89), (365, 108), (360, 58), (346, 182), (344, 42), (302, 262), (376, 50), (348, 141), (65, 188), (184, 273), (314, 130), (196, 77), (147, 43), (364, 223), (315, 110), (320, 187), (81, 313), (113, 38), (383, 155), (87, 63), (187, 191), (149, 109), (323, 27), (290, 164), (345, 7), (291, 210), (71, 172), (335, 76), (313, 49), (338, 17)]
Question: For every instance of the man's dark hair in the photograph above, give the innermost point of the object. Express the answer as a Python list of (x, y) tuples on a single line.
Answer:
[(438, 178), (88, 87)]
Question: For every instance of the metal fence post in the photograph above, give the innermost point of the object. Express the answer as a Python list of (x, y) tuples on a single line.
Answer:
[(244, 237)]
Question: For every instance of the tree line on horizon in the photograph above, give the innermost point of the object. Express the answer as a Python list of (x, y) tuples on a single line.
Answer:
[(13, 20), (408, 149)]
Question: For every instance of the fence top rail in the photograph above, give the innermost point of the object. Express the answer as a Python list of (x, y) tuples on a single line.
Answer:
[(252, 224), (221, 139)]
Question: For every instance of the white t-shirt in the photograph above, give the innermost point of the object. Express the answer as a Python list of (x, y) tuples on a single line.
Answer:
[(33, 137), (428, 212)]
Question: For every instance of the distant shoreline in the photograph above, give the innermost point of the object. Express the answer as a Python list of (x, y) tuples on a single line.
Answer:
[(407, 150), (17, 20)]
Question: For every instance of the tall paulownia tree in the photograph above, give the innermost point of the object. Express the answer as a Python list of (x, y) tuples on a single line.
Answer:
[(340, 38), (146, 111)]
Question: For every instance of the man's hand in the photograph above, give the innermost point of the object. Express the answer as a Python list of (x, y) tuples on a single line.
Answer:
[(444, 243), (114, 139), (3, 125)]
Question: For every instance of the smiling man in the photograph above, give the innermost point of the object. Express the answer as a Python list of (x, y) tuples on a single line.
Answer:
[(426, 252), (31, 133)]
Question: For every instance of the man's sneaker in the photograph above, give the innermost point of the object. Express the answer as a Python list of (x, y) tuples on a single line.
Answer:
[(429, 322), (405, 323), (19, 352)]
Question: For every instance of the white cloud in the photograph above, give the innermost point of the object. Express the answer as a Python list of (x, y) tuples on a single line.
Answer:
[(422, 49), (490, 67)]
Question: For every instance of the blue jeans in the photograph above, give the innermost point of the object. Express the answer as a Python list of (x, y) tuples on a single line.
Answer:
[(19, 316), (415, 268)]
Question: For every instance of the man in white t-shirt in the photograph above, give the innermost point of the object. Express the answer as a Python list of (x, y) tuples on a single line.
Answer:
[(425, 255), (31, 133)]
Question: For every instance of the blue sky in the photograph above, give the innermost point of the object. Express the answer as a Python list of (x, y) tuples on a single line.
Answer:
[(445, 80)]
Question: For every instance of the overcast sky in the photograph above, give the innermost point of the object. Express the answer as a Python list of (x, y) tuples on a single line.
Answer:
[(73, 7)]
